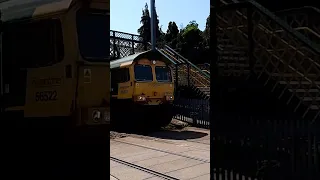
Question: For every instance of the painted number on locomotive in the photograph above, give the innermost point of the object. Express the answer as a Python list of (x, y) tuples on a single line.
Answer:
[(46, 96), (124, 91)]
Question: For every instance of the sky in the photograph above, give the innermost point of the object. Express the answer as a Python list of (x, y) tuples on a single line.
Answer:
[(125, 15)]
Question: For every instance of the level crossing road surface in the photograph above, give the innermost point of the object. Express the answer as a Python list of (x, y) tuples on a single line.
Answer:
[(168, 154)]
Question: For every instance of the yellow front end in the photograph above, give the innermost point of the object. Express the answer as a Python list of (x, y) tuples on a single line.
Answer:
[(153, 84), (147, 95), (153, 93)]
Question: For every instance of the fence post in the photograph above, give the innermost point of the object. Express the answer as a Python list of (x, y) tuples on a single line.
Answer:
[(116, 51), (194, 106)]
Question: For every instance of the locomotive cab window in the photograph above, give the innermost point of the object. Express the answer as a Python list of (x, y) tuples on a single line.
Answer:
[(143, 72), (163, 74), (35, 44), (119, 76), (93, 35)]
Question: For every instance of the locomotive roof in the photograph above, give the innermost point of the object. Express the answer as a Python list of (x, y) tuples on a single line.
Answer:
[(27, 9), (154, 55)]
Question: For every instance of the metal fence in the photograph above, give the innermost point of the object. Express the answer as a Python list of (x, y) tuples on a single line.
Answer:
[(193, 111), (270, 139), (124, 44), (263, 148)]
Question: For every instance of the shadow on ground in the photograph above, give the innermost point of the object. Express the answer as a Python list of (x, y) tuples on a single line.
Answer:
[(175, 131), (177, 135)]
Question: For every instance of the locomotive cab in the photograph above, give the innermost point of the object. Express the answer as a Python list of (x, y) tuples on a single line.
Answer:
[(144, 83), (55, 77), (152, 83)]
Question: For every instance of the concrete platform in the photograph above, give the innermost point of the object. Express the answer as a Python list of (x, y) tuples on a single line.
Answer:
[(180, 154)]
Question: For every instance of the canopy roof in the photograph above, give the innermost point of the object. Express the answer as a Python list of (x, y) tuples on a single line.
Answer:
[(152, 55)]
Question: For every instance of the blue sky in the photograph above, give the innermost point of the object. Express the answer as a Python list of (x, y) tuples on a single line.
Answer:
[(125, 14)]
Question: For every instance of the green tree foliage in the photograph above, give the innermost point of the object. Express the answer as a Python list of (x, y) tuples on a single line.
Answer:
[(192, 36), (192, 42), (189, 41), (171, 37), (145, 29), (159, 32)]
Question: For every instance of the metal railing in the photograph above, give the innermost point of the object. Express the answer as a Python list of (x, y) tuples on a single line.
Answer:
[(124, 44), (253, 144), (196, 75), (291, 50), (193, 111), (304, 20), (186, 60)]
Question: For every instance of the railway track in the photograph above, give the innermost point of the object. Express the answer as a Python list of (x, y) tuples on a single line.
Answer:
[(164, 156), (168, 152), (149, 171)]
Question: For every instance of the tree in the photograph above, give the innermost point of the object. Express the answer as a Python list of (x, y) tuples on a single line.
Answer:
[(171, 37), (192, 42), (189, 41), (192, 35), (145, 29), (158, 29)]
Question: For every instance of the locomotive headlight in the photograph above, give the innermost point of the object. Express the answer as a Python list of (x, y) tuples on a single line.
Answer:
[(169, 98), (141, 98)]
